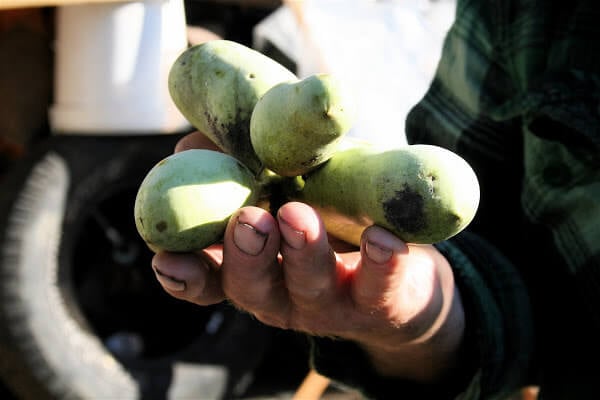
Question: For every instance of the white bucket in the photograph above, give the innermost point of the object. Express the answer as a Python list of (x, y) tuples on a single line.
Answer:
[(112, 64)]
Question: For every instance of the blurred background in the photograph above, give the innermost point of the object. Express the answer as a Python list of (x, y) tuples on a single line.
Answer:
[(84, 114)]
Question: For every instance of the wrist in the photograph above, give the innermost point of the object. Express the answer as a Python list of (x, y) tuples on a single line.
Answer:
[(433, 355)]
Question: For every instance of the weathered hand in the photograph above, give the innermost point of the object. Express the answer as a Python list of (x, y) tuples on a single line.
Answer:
[(397, 300)]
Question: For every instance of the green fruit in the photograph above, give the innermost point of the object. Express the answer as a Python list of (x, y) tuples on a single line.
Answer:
[(297, 126), (185, 201), (216, 84), (421, 193)]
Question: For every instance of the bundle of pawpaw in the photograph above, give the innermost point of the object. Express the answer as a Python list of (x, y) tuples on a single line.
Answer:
[(283, 138)]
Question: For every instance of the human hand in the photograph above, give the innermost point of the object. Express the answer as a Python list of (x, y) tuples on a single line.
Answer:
[(397, 300)]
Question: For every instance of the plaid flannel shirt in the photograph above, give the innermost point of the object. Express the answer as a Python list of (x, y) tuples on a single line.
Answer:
[(517, 94)]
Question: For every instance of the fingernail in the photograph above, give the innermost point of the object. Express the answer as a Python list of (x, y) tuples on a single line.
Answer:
[(293, 237), (380, 245), (377, 253), (248, 239), (169, 282)]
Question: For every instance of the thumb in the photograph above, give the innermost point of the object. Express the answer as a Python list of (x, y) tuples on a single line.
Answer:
[(398, 281)]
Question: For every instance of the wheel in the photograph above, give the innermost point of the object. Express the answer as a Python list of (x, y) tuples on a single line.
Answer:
[(81, 314)]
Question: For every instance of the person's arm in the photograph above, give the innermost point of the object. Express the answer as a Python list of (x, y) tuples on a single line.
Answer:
[(497, 342)]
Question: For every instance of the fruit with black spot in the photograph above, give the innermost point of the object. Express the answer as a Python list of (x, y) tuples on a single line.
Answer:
[(421, 193), (216, 85), (185, 201)]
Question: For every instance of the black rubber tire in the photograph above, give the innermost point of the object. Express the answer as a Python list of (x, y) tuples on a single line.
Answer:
[(63, 298)]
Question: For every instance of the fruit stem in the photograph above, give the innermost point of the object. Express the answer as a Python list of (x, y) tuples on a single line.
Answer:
[(275, 189)]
